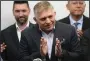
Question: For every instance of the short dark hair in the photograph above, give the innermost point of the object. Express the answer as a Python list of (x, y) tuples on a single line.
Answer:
[(20, 2)]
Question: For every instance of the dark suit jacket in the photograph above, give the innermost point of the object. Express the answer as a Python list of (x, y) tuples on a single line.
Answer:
[(85, 42), (86, 22), (30, 43), (9, 36)]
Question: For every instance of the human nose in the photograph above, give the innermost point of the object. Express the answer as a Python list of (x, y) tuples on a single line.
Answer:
[(20, 13), (48, 20)]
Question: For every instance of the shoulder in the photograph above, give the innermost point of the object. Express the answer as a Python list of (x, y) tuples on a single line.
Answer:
[(31, 24), (64, 19), (65, 28), (30, 29), (64, 25), (8, 29), (86, 18)]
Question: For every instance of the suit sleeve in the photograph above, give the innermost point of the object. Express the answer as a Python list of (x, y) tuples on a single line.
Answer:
[(25, 54), (4, 53), (84, 45), (75, 49)]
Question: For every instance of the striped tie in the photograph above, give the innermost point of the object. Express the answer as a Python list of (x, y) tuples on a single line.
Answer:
[(76, 25)]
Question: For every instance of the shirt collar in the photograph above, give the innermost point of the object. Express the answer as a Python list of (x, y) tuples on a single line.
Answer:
[(72, 21), (44, 32)]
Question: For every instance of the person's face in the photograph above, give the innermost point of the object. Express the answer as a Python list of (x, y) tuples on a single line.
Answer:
[(21, 13), (76, 7), (46, 20)]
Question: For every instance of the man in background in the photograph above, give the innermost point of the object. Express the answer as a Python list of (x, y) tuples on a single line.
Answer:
[(76, 17), (10, 37)]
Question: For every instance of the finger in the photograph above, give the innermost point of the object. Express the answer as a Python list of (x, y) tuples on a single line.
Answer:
[(45, 46), (2, 49), (79, 35), (58, 45), (80, 32), (56, 40), (3, 45), (42, 40)]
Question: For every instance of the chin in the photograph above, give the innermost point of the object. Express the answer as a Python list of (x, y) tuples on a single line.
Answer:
[(50, 29), (78, 14)]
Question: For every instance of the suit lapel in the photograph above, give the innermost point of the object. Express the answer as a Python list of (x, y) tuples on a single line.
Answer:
[(14, 36), (67, 20), (58, 35), (53, 47), (37, 36), (54, 42), (85, 23)]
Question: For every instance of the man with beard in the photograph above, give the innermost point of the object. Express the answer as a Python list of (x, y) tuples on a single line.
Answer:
[(10, 37)]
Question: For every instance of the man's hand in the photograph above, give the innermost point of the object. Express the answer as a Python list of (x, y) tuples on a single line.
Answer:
[(43, 47), (79, 33), (58, 50), (2, 47)]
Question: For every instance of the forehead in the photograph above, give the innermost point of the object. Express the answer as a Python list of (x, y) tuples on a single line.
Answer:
[(21, 6), (76, 1), (45, 13)]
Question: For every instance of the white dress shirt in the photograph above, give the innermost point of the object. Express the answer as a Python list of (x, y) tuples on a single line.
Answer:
[(49, 38), (80, 21), (19, 31)]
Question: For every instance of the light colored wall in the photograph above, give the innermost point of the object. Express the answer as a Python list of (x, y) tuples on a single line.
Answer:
[(7, 17)]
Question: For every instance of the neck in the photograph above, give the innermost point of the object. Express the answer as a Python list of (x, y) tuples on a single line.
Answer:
[(47, 32), (23, 26), (77, 17)]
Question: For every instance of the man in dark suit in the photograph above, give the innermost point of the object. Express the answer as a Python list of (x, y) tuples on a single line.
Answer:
[(49, 40), (11, 36), (76, 9)]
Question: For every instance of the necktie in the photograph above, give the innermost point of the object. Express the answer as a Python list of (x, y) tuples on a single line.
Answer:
[(76, 25)]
